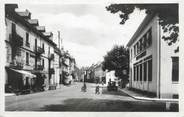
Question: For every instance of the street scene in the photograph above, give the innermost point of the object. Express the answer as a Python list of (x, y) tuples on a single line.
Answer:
[(73, 99), (91, 57)]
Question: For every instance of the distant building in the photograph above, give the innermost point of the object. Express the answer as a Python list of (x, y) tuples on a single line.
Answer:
[(154, 66), (110, 76), (68, 68), (99, 74)]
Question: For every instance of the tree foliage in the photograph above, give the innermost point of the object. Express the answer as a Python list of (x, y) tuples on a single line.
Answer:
[(116, 59), (168, 15)]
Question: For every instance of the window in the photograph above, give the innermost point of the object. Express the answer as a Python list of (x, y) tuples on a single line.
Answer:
[(43, 46), (141, 47), (27, 40), (137, 73), (150, 70), (134, 50), (145, 71), (27, 58), (13, 28), (175, 69), (149, 38), (130, 53), (144, 41), (134, 73), (49, 49), (138, 47), (140, 72), (18, 52), (43, 62)]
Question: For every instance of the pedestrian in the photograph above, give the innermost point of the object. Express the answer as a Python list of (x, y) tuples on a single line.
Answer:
[(97, 90), (84, 88)]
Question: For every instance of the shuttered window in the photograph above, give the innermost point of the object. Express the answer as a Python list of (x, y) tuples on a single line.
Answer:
[(175, 68)]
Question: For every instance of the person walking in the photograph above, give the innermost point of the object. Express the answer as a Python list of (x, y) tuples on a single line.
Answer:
[(84, 88)]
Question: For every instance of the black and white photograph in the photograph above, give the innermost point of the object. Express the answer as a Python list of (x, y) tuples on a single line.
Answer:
[(83, 57)]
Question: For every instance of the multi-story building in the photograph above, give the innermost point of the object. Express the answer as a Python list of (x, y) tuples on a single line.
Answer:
[(154, 65), (57, 67), (68, 68), (99, 74), (30, 51)]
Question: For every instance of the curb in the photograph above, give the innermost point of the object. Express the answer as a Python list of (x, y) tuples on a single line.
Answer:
[(7, 95), (151, 99)]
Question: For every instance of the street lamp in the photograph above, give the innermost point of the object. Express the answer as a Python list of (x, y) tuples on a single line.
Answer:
[(85, 75)]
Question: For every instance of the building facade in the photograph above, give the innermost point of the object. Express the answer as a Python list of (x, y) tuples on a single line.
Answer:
[(99, 73), (30, 51), (110, 76), (153, 63), (68, 68)]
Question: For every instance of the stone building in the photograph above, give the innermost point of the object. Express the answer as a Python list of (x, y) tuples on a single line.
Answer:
[(29, 51), (68, 68)]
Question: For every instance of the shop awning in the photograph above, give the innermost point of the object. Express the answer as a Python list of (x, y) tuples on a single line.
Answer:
[(26, 73)]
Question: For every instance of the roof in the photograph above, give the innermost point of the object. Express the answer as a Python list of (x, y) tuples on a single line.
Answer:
[(48, 34), (41, 28), (141, 27), (25, 14), (33, 22)]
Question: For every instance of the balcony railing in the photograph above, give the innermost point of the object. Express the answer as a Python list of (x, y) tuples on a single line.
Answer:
[(51, 71), (39, 50), (16, 40), (40, 67), (51, 57), (16, 65), (27, 44)]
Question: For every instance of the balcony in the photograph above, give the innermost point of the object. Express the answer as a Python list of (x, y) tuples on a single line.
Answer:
[(51, 57), (16, 65), (39, 67), (51, 71), (39, 51), (16, 40), (27, 44), (58, 51)]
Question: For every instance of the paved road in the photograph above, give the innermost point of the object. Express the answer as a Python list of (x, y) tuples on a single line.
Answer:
[(70, 98)]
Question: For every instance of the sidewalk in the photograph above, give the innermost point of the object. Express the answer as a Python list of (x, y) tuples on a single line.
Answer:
[(9, 94), (140, 96), (61, 86)]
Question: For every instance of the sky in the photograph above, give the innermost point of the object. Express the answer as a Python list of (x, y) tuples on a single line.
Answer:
[(88, 31)]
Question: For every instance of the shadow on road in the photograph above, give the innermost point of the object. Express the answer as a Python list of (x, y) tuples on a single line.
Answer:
[(106, 105), (106, 92)]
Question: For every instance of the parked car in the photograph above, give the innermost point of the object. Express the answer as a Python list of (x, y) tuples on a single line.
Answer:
[(112, 86)]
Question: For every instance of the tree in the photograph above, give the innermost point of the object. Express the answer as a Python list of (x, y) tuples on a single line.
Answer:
[(117, 59), (168, 14)]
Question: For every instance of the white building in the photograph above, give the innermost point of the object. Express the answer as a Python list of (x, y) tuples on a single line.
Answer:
[(153, 63), (110, 76), (29, 49)]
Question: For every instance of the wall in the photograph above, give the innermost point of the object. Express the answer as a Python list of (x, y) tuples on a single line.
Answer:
[(150, 86), (168, 87)]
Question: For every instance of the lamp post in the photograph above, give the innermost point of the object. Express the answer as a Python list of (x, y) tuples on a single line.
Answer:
[(85, 75)]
